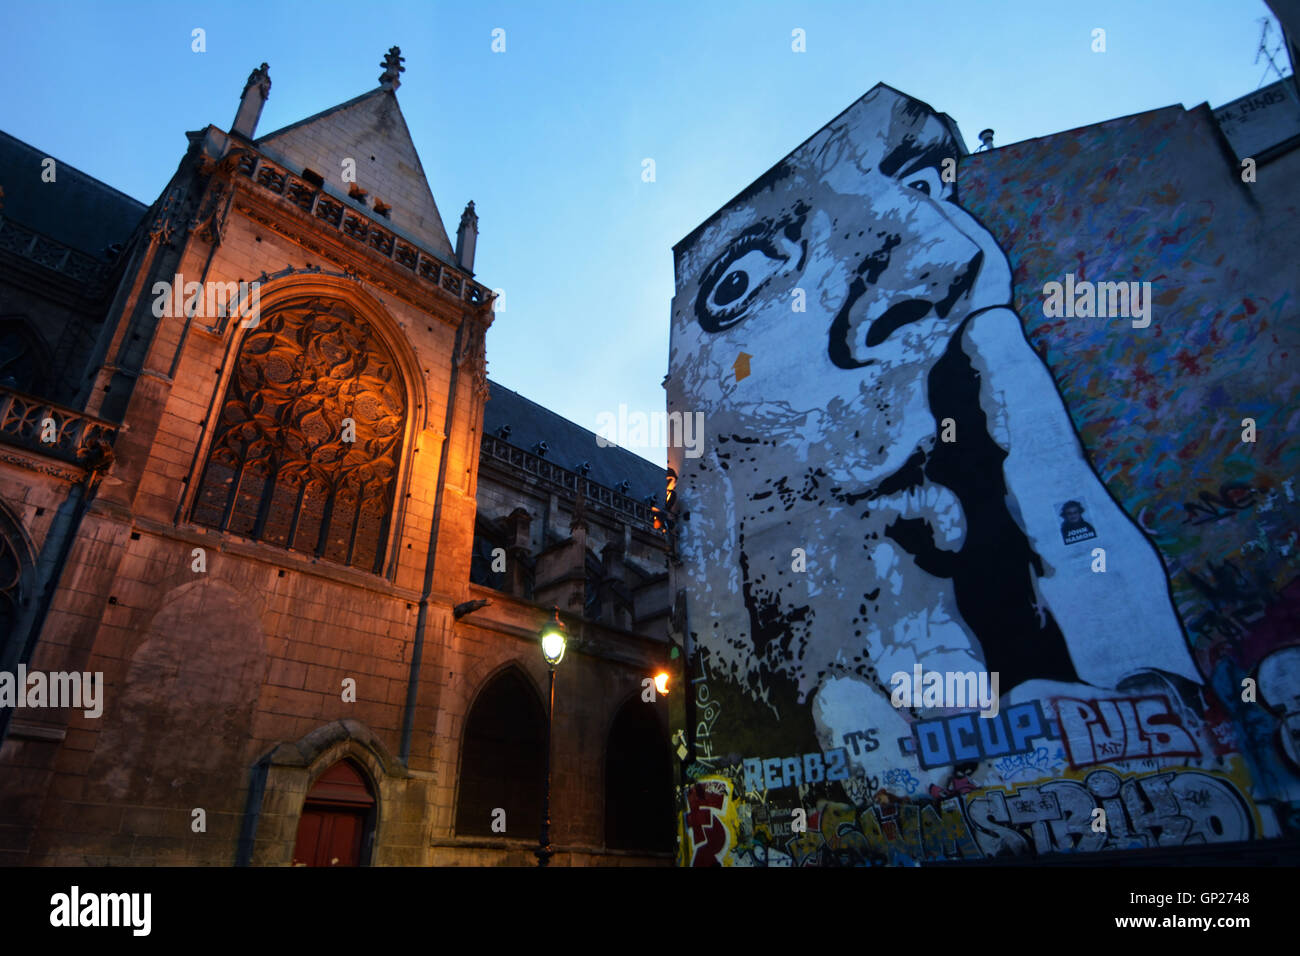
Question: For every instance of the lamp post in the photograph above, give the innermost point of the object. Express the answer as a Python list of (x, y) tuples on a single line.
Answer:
[(553, 639)]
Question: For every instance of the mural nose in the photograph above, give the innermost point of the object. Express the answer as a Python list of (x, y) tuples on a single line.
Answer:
[(850, 343), (853, 333)]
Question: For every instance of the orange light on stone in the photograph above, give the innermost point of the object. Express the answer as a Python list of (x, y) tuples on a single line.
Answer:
[(661, 682)]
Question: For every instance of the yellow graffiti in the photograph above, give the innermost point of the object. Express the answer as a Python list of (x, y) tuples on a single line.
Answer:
[(707, 822)]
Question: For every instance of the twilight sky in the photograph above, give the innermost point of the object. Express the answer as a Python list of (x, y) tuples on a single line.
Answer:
[(549, 137)]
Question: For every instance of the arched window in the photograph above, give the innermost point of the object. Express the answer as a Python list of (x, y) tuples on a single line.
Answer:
[(337, 823), (24, 363), (639, 813), (308, 440), (15, 585), (484, 560), (502, 761)]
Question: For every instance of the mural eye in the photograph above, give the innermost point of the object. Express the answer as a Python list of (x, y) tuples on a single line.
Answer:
[(732, 284), (925, 180), (743, 277)]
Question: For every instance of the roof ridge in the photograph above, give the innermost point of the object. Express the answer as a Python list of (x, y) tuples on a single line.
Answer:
[(323, 113)]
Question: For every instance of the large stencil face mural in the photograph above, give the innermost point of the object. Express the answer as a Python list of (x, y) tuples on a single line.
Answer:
[(891, 483)]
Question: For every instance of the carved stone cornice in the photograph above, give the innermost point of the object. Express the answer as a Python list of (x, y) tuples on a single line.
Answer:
[(311, 216), (349, 263), (31, 463)]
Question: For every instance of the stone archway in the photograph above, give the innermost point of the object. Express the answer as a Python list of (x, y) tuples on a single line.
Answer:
[(282, 780), (499, 787)]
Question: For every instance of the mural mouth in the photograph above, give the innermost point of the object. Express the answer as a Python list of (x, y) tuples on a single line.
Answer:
[(895, 317)]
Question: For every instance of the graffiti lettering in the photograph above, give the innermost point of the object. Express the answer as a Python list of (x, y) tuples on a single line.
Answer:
[(777, 772), (708, 710), (902, 780), (840, 835), (867, 738), (1233, 498), (1097, 731), (1039, 763), (968, 739), (705, 802), (1164, 809)]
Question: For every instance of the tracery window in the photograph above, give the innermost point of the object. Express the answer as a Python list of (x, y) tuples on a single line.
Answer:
[(12, 578), (281, 468), (22, 362)]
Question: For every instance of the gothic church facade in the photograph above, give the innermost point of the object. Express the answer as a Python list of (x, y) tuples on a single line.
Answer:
[(245, 476)]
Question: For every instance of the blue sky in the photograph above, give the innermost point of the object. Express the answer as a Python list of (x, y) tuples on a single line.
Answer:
[(548, 138)]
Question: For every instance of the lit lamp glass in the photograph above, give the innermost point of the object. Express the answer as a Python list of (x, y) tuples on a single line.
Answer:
[(661, 682), (553, 641)]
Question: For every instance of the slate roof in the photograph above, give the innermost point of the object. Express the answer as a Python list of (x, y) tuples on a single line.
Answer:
[(569, 444), (76, 210)]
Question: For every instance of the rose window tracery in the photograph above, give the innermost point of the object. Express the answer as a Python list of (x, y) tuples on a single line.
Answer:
[(281, 468)]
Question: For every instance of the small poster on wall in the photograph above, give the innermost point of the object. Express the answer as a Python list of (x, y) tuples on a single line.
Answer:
[(1074, 528)]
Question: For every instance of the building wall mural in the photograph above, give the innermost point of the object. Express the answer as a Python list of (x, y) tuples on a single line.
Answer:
[(978, 554)]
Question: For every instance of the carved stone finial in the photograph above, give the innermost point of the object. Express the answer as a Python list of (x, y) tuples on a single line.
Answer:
[(469, 216), (467, 238), (251, 101), (392, 64), (261, 78)]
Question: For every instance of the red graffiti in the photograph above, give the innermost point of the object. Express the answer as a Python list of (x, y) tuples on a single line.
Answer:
[(1098, 731), (956, 787), (708, 832)]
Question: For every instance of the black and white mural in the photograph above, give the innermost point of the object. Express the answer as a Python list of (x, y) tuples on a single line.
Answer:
[(889, 484)]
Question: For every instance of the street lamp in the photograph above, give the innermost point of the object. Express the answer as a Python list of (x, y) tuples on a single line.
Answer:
[(553, 640)]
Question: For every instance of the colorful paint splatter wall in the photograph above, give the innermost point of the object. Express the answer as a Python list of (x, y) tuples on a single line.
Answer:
[(993, 546)]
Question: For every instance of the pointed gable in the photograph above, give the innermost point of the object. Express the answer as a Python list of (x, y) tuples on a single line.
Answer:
[(371, 130)]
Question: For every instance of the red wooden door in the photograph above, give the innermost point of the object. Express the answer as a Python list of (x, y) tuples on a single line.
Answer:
[(334, 819), (329, 837)]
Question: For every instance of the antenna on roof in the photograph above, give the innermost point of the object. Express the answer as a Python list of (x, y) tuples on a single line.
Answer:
[(1264, 51)]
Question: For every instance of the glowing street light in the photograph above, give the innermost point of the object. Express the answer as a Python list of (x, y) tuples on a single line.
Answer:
[(661, 682), (553, 639)]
